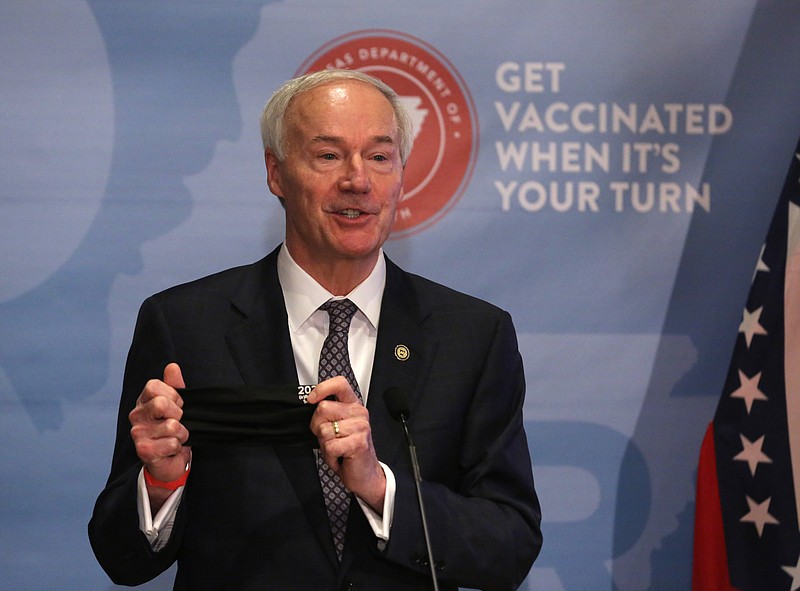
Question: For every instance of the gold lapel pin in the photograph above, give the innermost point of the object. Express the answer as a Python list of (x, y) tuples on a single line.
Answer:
[(402, 353)]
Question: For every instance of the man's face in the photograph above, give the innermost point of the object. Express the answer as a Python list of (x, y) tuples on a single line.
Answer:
[(341, 177)]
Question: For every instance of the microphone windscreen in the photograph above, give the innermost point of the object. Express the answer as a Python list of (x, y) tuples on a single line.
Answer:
[(396, 402)]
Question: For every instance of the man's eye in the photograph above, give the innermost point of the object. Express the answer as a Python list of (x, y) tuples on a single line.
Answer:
[(380, 158), (329, 156)]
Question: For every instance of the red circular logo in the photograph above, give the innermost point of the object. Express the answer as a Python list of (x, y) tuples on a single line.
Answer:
[(443, 116)]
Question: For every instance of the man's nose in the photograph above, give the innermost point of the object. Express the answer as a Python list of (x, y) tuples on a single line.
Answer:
[(355, 177)]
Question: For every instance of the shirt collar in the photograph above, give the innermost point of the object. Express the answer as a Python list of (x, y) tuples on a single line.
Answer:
[(303, 295)]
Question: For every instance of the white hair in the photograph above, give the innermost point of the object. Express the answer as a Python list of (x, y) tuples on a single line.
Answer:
[(274, 114)]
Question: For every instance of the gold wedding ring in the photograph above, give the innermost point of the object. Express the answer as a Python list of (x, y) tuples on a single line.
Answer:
[(336, 429)]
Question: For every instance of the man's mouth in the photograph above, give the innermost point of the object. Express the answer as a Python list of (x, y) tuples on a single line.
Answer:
[(350, 213)]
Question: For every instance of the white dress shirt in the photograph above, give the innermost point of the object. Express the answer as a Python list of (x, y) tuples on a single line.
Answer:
[(308, 328)]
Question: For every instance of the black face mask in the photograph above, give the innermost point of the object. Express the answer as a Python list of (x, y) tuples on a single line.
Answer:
[(274, 415)]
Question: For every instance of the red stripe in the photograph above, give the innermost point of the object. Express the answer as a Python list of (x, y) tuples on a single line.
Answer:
[(710, 565)]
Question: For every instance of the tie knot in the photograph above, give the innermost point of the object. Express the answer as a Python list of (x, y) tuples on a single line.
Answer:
[(340, 313)]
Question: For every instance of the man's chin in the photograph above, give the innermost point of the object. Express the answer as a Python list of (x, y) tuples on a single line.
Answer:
[(358, 247)]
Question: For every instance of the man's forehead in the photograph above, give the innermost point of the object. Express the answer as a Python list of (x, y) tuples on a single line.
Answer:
[(335, 91), (309, 114)]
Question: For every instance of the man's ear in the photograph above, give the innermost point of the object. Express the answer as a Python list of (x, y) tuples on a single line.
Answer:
[(273, 174)]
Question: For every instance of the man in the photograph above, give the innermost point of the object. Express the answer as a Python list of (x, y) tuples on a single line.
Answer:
[(253, 516)]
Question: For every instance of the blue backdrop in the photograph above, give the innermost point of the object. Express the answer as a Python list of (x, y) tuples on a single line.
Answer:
[(604, 170)]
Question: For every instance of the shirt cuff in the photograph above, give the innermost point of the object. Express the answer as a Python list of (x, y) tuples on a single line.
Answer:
[(382, 524), (156, 529)]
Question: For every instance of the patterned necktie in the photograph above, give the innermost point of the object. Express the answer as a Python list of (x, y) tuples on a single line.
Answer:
[(334, 360)]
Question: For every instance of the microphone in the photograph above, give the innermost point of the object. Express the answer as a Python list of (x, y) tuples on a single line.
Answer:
[(397, 405)]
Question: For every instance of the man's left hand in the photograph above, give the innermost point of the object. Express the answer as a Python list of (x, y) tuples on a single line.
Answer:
[(342, 428)]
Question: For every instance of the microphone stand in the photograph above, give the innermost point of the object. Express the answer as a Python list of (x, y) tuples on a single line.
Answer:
[(412, 451)]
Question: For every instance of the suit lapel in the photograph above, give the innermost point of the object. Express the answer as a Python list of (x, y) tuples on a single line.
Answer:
[(259, 343), (403, 355)]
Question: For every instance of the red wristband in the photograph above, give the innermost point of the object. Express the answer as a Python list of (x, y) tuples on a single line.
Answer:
[(171, 485)]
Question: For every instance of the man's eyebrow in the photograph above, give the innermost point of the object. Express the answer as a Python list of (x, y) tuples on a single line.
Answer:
[(327, 139), (335, 139), (383, 139)]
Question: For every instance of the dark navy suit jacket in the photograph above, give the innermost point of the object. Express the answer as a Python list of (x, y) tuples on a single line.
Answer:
[(253, 517)]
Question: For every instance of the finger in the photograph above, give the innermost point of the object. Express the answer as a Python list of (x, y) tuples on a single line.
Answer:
[(338, 387), (160, 431), (173, 379), (329, 411), (157, 441), (349, 455), (328, 434), (162, 409), (335, 429), (345, 437), (156, 388), (171, 429), (156, 404), (173, 376)]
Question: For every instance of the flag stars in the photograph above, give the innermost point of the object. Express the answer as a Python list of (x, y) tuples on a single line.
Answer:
[(748, 390), (794, 572), (751, 326), (752, 453), (761, 265), (759, 515)]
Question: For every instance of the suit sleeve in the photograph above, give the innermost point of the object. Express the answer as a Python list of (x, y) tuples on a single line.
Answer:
[(484, 523), (121, 548)]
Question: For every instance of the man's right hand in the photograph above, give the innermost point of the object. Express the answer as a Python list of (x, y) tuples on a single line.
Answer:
[(156, 428)]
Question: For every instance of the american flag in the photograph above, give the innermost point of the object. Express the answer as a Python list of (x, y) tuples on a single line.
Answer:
[(748, 487)]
